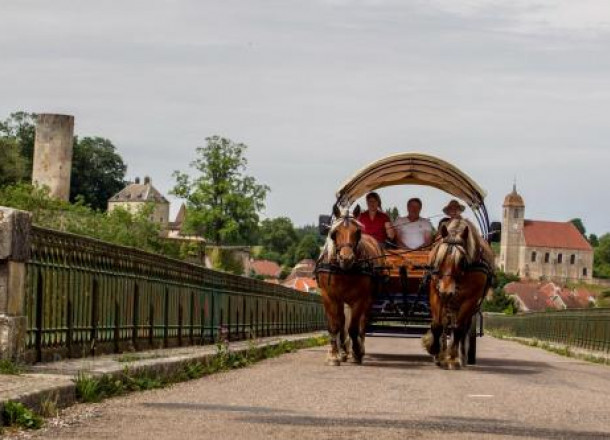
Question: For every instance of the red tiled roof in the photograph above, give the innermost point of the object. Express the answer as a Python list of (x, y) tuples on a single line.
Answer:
[(531, 295), (266, 268), (541, 296), (303, 284), (563, 235)]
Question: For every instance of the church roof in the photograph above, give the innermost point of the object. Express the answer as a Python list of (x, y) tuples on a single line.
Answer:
[(139, 192), (513, 199), (561, 235)]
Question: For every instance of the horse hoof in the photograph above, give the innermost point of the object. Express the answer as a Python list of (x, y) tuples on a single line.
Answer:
[(454, 365), (357, 360), (436, 360), (343, 357), (333, 362)]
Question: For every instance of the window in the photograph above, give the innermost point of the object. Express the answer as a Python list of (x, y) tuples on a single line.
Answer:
[(534, 257), (584, 271), (547, 257), (559, 258), (516, 213), (572, 259)]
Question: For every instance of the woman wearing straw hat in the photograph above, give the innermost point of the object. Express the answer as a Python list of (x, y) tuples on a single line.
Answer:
[(453, 210)]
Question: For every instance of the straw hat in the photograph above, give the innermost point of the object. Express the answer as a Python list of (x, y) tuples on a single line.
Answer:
[(454, 204)]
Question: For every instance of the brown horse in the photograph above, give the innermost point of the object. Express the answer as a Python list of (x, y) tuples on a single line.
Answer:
[(346, 275), (461, 263)]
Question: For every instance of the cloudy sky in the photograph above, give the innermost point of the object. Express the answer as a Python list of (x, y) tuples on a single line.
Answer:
[(317, 89)]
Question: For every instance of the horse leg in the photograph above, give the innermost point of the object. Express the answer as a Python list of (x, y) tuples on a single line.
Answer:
[(453, 361), (334, 312), (357, 328), (343, 337)]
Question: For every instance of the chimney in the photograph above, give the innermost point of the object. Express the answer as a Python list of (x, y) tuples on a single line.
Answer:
[(137, 180), (146, 180)]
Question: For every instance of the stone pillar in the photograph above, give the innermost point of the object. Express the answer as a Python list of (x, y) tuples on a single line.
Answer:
[(15, 228), (53, 154)]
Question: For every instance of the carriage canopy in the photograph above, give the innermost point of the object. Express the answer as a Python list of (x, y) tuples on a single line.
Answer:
[(416, 169)]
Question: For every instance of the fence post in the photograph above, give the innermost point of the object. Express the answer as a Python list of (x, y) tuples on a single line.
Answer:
[(15, 227)]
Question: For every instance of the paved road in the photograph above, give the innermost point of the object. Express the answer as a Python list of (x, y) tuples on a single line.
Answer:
[(514, 392)]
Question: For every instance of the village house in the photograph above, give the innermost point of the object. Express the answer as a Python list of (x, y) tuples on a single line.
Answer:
[(136, 196), (542, 250), (531, 296), (302, 277)]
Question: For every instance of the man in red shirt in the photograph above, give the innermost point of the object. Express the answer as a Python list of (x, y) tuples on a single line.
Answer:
[(376, 222)]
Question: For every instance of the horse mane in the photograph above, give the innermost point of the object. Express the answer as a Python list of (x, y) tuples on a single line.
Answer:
[(367, 246), (455, 229)]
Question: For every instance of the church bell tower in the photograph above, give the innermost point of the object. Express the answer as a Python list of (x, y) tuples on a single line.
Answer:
[(512, 232)]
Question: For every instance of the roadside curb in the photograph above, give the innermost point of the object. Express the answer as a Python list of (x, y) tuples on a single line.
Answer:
[(54, 382), (598, 357)]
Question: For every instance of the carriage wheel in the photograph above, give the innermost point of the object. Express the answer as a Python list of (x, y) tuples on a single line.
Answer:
[(472, 342)]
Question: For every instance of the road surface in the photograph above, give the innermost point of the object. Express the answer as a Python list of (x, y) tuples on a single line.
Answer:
[(513, 392)]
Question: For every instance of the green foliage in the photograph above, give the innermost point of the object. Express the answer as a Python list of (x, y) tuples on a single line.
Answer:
[(308, 247), (601, 259), (18, 415), (13, 166), (98, 172), (593, 240), (222, 201), (500, 302), (10, 368), (119, 226), (225, 260), (580, 226), (277, 235), (392, 213), (20, 127)]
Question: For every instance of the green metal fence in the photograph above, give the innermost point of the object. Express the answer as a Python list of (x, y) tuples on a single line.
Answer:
[(588, 329), (85, 297)]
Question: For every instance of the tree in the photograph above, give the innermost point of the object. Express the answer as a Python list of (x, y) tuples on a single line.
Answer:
[(21, 127), (593, 240), (277, 234), (98, 171), (392, 213), (13, 166), (221, 199), (308, 248), (601, 258), (580, 226), (501, 302)]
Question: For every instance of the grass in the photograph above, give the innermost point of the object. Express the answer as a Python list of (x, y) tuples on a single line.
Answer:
[(563, 350), (9, 367), (95, 389)]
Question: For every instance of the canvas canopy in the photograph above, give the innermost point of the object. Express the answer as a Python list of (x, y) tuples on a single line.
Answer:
[(412, 169)]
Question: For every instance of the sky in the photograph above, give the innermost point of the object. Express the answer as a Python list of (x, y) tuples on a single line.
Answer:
[(505, 90)]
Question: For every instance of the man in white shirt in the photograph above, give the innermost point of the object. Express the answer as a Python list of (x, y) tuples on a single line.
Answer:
[(413, 231)]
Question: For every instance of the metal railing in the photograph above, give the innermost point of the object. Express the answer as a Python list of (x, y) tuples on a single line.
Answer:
[(84, 297), (585, 328)]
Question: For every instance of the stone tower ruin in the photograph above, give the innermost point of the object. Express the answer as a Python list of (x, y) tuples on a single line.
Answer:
[(53, 154)]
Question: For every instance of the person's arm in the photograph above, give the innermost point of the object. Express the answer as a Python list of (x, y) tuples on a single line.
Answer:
[(389, 230), (428, 234)]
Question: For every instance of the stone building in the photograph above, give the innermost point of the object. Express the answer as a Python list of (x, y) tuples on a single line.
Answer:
[(137, 195), (536, 249)]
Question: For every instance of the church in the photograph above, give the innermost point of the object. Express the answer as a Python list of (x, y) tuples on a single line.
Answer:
[(542, 250)]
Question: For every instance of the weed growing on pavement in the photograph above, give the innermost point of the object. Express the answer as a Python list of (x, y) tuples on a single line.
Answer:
[(9, 367), (16, 414), (87, 388), (48, 405), (94, 389)]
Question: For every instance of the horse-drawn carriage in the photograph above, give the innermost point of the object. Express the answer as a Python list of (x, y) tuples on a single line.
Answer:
[(401, 278)]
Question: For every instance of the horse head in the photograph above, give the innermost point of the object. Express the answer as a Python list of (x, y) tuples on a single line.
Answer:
[(450, 256), (345, 235)]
